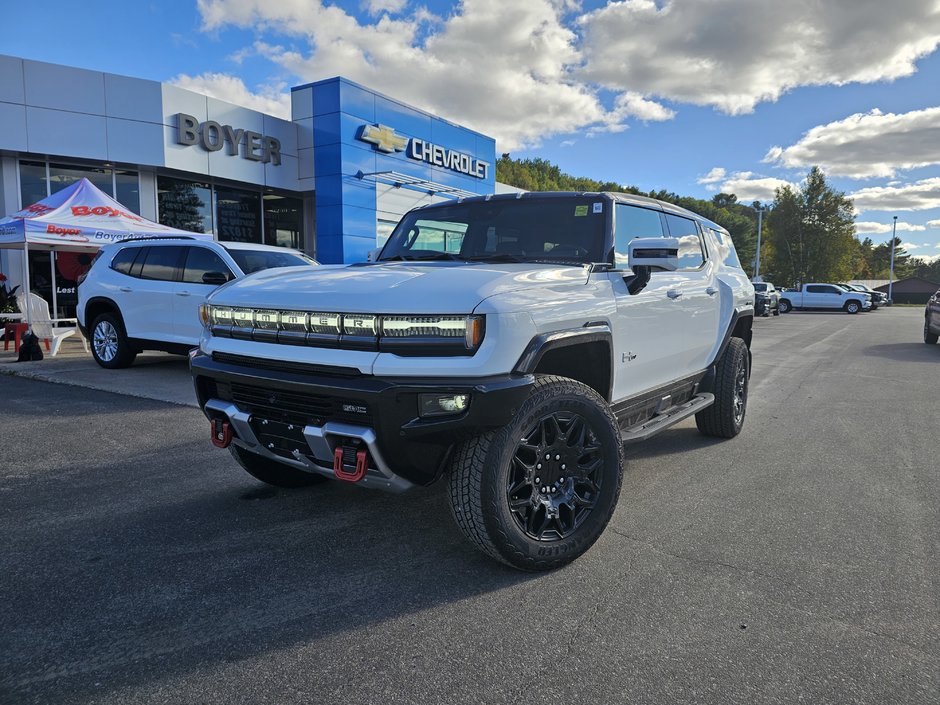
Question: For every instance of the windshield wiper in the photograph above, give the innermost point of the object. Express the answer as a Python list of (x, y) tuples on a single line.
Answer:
[(423, 258)]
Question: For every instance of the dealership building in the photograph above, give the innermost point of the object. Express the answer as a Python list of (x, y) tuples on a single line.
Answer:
[(331, 181)]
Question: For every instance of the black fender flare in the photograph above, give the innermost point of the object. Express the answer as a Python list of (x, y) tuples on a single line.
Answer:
[(707, 382), (591, 332)]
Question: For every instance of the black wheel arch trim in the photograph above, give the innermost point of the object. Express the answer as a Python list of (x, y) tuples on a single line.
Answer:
[(591, 332), (708, 381), (110, 303)]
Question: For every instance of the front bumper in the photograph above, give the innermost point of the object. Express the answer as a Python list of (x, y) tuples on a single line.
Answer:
[(299, 415)]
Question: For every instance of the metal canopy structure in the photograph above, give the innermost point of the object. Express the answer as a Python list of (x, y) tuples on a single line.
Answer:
[(397, 179)]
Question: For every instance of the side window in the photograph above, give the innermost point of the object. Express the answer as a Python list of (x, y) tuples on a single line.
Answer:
[(201, 260), (161, 263), (631, 222), (815, 290), (726, 250), (691, 254), (124, 259)]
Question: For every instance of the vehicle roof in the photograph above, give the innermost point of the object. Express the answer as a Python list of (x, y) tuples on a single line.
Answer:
[(615, 196), (176, 239)]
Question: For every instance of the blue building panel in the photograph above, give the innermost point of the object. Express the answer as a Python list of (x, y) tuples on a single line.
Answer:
[(346, 204)]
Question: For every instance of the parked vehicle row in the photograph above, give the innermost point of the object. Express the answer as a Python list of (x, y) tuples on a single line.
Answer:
[(766, 299), (824, 296)]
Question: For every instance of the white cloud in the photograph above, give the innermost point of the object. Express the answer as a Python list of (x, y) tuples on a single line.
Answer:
[(749, 187), (872, 228), (502, 68), (909, 245), (711, 179), (733, 55), (377, 7), (866, 145), (927, 259), (233, 90), (934, 224), (524, 71), (917, 196)]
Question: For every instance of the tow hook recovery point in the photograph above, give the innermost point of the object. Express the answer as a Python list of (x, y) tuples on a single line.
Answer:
[(343, 467), (221, 433)]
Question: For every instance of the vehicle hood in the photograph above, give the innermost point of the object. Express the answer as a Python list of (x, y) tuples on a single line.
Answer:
[(391, 287)]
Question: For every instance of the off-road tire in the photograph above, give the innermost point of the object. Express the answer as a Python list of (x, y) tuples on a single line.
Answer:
[(725, 418), (852, 307), (109, 344), (273, 472), (784, 306), (483, 467), (929, 338)]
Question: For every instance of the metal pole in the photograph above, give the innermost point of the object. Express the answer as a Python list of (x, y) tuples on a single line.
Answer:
[(894, 228), (29, 319), (55, 300), (760, 218)]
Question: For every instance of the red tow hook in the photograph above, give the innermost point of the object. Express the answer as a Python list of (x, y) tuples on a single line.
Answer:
[(362, 465), (221, 433)]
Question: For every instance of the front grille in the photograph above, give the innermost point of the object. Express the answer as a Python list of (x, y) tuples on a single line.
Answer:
[(294, 407)]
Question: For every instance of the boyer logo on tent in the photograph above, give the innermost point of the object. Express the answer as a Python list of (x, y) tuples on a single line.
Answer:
[(105, 210)]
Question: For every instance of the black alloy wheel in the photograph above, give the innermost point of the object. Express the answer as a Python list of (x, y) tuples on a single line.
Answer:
[(538, 492), (555, 476)]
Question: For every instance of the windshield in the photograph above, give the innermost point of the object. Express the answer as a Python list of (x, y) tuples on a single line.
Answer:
[(563, 230), (255, 260), (760, 287)]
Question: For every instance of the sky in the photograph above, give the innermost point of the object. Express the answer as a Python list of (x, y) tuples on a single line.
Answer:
[(693, 96)]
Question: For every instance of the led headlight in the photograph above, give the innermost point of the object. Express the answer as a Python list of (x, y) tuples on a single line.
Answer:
[(220, 315), (243, 317), (470, 328), (359, 324)]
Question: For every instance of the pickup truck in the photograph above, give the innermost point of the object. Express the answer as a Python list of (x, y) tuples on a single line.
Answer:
[(505, 345), (826, 297)]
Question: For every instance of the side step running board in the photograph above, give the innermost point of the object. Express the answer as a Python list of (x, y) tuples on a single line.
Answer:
[(669, 417)]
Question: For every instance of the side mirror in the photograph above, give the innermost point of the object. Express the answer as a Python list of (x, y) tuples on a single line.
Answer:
[(373, 254), (654, 252), (214, 278)]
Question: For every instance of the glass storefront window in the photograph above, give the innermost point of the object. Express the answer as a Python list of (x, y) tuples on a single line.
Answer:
[(186, 205), (283, 221), (238, 215), (63, 175), (32, 182), (128, 189)]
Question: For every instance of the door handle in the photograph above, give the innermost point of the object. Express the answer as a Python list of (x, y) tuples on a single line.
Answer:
[(673, 293), (183, 293), (126, 289), (711, 291)]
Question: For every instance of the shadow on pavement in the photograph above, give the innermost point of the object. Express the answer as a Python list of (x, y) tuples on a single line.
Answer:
[(905, 352)]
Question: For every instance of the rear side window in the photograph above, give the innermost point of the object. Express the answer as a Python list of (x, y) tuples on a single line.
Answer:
[(631, 222), (726, 251), (124, 259), (691, 254), (202, 260), (161, 263)]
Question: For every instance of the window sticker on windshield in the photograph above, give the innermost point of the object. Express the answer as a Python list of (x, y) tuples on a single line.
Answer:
[(580, 210), (598, 207)]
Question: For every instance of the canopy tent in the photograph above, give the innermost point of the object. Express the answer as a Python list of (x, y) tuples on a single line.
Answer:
[(79, 218)]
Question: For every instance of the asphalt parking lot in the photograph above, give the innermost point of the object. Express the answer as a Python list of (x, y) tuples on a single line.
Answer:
[(795, 563)]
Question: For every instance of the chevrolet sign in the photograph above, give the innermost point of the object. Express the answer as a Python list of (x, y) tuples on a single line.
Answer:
[(388, 141)]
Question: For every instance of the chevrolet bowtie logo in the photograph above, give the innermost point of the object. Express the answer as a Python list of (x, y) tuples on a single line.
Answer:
[(384, 138)]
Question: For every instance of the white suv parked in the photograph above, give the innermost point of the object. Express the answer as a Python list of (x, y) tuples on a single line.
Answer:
[(145, 293)]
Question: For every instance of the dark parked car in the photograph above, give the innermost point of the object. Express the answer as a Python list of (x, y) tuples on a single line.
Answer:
[(878, 298), (766, 299), (932, 319)]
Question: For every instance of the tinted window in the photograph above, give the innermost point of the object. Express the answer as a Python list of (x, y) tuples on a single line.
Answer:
[(760, 287), (255, 260), (201, 260), (124, 259), (691, 255), (569, 230), (814, 290), (161, 263), (632, 222)]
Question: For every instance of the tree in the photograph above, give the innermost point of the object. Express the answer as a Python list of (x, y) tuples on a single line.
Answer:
[(812, 230)]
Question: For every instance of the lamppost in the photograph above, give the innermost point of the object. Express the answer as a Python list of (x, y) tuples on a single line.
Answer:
[(894, 228), (760, 217)]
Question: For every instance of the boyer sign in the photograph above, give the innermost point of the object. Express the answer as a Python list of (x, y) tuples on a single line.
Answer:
[(212, 137)]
